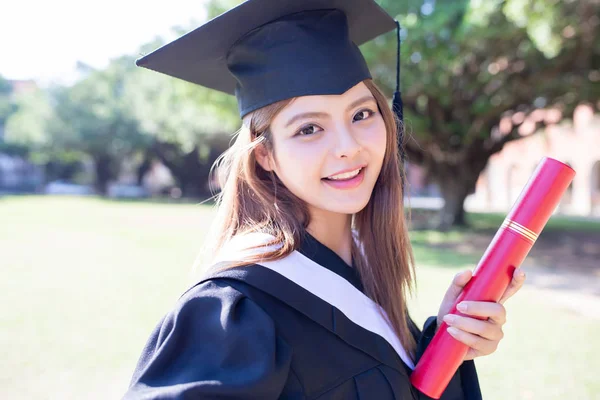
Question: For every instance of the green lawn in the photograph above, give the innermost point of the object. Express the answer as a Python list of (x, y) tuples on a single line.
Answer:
[(85, 280), (556, 222)]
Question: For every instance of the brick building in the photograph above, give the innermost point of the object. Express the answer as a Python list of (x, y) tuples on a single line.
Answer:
[(576, 142)]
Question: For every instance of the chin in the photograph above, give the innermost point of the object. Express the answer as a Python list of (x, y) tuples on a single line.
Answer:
[(347, 207)]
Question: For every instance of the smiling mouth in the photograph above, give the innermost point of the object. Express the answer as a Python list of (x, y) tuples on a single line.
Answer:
[(344, 176)]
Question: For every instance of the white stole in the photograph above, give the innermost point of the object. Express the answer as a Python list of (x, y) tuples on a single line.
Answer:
[(321, 282)]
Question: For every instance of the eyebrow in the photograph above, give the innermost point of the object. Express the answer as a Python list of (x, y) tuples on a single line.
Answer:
[(315, 114)]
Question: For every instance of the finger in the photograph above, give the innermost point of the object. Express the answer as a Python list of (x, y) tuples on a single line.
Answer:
[(485, 329), (481, 345), (457, 285), (515, 285), (486, 309)]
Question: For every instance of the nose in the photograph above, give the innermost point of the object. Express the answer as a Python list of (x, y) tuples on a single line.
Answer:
[(346, 145)]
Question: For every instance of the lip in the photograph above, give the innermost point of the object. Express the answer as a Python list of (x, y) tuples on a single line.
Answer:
[(347, 170), (349, 183)]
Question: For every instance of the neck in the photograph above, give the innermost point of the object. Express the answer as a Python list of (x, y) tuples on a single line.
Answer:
[(333, 230)]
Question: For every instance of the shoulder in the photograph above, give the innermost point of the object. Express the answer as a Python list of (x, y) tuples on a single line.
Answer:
[(246, 245), (213, 301), (213, 338), (217, 310), (207, 290), (214, 298)]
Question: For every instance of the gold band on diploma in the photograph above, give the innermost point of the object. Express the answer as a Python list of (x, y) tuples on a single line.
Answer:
[(520, 229)]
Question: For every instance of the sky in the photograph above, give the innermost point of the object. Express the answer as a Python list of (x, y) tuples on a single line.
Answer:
[(44, 39)]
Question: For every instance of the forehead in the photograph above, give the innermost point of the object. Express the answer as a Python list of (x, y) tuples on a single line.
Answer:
[(324, 102)]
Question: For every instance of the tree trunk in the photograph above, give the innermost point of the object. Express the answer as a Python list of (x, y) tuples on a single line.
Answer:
[(456, 182), (103, 172), (187, 168), (452, 213), (193, 177), (190, 170), (144, 167)]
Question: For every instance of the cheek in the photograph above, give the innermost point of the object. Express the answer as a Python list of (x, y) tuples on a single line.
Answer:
[(299, 164), (374, 138)]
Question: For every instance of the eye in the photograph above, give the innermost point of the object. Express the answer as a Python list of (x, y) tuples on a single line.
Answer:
[(308, 130), (362, 115)]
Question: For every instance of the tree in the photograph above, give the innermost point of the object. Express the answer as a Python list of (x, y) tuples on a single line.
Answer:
[(28, 132), (479, 74), (92, 118), (187, 125), (27, 125), (7, 107)]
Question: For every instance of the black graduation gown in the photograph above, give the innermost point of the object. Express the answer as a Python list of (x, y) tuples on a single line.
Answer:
[(251, 333)]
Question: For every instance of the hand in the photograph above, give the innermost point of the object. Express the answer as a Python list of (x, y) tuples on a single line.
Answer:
[(482, 336)]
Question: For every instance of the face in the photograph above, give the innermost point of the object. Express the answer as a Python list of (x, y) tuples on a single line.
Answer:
[(328, 150)]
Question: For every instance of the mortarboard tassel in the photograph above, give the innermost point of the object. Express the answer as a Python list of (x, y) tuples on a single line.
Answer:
[(397, 106)]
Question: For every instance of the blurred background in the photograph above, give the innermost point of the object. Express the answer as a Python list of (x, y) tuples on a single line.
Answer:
[(104, 180)]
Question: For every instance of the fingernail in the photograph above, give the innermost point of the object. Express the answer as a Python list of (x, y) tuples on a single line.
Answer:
[(452, 330), (462, 307), (449, 319), (521, 274)]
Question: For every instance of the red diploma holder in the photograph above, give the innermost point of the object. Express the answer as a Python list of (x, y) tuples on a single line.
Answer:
[(493, 274)]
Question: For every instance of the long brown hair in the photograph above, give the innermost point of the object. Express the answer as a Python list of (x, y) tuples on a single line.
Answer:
[(254, 200)]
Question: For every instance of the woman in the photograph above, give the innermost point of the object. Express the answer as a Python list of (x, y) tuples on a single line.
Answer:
[(306, 295)]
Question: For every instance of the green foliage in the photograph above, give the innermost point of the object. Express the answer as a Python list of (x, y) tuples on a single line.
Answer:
[(174, 111), (6, 105), (92, 116), (12, 149), (28, 125), (465, 63), (541, 19)]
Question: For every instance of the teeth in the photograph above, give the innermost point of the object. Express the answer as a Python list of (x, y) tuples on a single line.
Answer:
[(345, 175)]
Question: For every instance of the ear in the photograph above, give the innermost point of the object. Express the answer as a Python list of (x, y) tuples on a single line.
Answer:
[(263, 157)]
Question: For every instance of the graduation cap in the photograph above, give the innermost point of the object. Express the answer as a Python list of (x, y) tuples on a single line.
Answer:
[(264, 51)]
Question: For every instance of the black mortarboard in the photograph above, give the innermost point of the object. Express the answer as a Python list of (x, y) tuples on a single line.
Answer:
[(264, 51)]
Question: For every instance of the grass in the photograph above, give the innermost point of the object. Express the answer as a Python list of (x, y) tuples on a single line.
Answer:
[(555, 223), (85, 281)]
